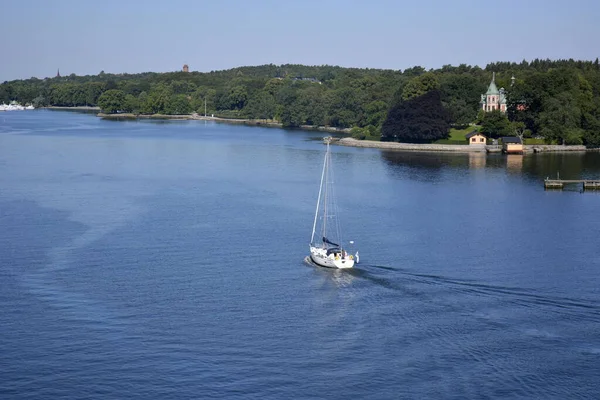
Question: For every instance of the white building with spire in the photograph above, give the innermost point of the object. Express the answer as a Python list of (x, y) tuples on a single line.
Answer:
[(493, 99)]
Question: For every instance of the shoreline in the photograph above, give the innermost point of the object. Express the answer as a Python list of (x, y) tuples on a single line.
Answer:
[(458, 148), (242, 121), (345, 141), (90, 108), (351, 142)]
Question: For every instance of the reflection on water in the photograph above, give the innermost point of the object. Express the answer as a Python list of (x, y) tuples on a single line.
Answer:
[(420, 160), (567, 165), (575, 165), (477, 160), (74, 110), (514, 162), (341, 278)]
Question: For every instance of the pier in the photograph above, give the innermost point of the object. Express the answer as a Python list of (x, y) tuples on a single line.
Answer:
[(588, 184)]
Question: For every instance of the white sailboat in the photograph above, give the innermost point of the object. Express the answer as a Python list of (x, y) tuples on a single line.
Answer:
[(328, 251)]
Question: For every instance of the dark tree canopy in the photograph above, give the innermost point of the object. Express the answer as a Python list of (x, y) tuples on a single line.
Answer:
[(421, 119)]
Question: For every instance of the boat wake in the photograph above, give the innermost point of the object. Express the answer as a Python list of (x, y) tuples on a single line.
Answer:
[(524, 296), (419, 285)]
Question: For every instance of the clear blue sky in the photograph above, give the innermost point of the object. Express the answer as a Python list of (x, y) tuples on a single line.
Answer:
[(85, 37)]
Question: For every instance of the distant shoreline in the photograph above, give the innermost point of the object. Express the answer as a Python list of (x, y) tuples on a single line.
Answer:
[(197, 117), (346, 141), (90, 108)]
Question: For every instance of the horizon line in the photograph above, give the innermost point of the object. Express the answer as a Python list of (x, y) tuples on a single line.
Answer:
[(309, 65)]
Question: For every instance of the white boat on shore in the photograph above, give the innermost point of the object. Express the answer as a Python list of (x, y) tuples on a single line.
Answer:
[(328, 250), (15, 107)]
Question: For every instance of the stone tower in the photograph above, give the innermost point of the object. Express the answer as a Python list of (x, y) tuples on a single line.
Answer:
[(186, 68)]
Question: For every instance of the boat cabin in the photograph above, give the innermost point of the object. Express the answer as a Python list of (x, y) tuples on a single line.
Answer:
[(512, 145), (333, 250), (336, 253)]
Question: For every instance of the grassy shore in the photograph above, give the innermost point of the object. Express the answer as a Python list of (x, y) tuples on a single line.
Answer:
[(457, 136)]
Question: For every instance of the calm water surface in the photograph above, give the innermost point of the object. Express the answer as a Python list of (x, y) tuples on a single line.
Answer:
[(165, 261)]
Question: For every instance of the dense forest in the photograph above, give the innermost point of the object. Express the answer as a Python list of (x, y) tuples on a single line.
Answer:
[(557, 100)]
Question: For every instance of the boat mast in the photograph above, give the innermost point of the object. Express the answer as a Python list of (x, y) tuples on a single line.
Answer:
[(326, 194), (319, 198)]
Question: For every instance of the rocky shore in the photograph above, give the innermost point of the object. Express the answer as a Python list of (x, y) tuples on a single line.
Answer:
[(544, 148), (410, 146)]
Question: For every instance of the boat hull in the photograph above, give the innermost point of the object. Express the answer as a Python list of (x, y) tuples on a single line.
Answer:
[(319, 256)]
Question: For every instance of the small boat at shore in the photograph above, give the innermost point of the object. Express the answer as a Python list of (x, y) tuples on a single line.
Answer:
[(15, 107), (328, 250)]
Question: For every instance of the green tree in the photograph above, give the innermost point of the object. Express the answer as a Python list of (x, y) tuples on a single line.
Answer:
[(460, 95), (344, 108), (93, 90), (4, 94), (292, 116), (39, 101), (420, 85), (178, 104), (414, 71), (313, 105), (111, 101), (131, 104), (273, 85), (144, 103), (460, 112), (159, 99), (182, 87), (237, 97), (200, 96), (495, 124), (375, 113), (591, 124), (261, 106), (560, 119)]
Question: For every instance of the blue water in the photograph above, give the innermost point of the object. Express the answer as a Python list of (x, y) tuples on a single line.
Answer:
[(165, 260)]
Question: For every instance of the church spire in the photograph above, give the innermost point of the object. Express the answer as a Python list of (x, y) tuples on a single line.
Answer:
[(58, 73), (493, 89)]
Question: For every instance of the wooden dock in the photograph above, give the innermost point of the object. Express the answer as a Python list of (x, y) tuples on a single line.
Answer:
[(588, 184)]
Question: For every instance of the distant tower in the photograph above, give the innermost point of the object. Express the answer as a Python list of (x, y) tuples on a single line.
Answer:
[(186, 68), (58, 73), (512, 81)]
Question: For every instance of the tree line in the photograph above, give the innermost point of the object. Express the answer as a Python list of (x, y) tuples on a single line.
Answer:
[(555, 99)]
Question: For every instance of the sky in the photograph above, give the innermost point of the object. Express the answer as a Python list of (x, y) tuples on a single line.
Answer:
[(130, 36)]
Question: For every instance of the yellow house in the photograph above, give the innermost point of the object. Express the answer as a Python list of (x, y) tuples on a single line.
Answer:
[(512, 145), (475, 138)]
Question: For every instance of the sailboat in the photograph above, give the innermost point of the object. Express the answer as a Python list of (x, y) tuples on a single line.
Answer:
[(327, 250)]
